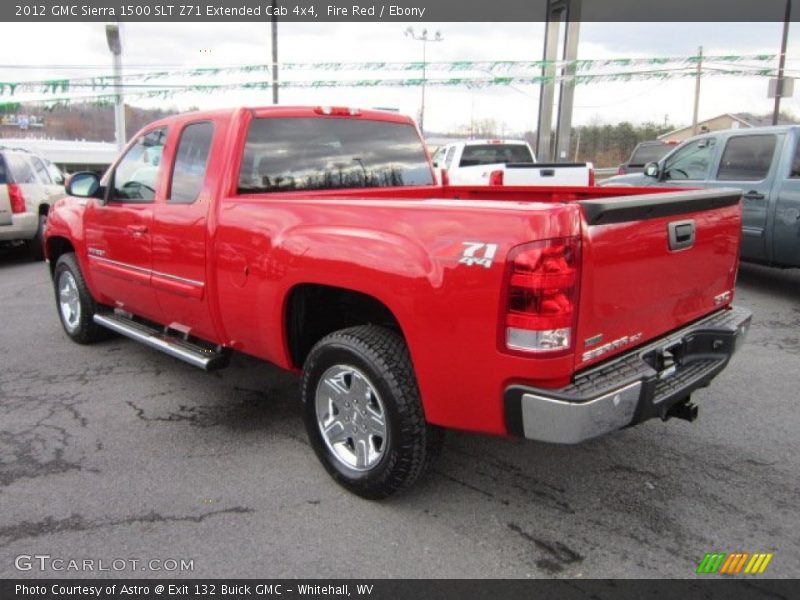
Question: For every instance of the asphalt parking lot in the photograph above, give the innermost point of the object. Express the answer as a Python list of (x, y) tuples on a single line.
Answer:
[(115, 451)]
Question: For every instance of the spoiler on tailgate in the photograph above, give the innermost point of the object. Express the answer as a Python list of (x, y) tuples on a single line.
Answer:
[(652, 206)]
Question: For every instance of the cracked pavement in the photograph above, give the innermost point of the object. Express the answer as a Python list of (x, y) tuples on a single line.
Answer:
[(116, 451)]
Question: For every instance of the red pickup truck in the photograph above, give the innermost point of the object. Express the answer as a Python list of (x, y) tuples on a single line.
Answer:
[(316, 239)]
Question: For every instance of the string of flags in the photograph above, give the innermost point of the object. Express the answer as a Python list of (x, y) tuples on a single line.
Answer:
[(474, 74)]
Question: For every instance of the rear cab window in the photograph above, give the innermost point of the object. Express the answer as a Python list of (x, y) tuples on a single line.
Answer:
[(747, 158), (487, 154), (284, 154)]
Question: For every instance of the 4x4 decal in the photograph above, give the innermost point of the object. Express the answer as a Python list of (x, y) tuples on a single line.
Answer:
[(478, 253)]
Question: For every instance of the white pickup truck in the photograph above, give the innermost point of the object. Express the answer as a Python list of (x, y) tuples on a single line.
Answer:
[(505, 162)]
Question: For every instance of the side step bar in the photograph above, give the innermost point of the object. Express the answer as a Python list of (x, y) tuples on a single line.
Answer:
[(194, 354)]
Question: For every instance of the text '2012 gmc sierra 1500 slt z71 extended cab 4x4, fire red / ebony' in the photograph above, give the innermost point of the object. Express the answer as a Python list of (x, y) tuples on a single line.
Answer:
[(316, 239)]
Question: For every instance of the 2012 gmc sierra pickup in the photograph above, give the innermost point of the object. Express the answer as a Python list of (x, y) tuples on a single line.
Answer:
[(316, 239)]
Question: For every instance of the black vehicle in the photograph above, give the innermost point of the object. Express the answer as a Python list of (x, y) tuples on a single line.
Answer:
[(645, 152)]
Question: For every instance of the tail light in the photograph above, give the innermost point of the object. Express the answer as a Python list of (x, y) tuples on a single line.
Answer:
[(542, 296), (592, 180), (445, 177), (496, 178), (16, 198), (621, 170)]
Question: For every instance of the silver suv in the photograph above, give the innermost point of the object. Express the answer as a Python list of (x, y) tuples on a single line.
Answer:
[(29, 184)]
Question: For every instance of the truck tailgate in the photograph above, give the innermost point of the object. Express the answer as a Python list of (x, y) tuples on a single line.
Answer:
[(546, 174), (651, 264)]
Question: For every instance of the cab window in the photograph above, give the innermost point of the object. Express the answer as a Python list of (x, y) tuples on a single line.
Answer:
[(448, 160), (795, 172), (691, 162), (138, 172), (191, 159), (747, 158)]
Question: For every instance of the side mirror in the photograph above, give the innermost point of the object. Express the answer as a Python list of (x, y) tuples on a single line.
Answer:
[(84, 184), (652, 169)]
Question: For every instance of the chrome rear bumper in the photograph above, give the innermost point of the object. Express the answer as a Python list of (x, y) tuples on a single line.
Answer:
[(630, 388)]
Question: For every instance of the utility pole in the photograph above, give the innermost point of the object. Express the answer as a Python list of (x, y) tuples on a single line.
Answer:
[(274, 53), (114, 40), (423, 37), (697, 89), (782, 63)]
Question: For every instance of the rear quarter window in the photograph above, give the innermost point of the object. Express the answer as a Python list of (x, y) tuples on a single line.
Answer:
[(294, 154), (3, 176), (20, 169), (747, 158)]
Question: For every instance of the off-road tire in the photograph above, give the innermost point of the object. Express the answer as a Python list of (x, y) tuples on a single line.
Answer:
[(412, 444), (84, 330)]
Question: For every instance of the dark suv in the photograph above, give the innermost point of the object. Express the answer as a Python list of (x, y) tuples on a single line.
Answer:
[(645, 152)]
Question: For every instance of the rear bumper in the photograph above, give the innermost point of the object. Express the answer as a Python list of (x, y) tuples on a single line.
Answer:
[(23, 227), (631, 388)]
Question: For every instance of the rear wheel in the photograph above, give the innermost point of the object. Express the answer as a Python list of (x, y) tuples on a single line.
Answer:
[(363, 412), (76, 307)]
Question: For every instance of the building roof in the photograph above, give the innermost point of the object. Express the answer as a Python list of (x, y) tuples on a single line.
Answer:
[(744, 119)]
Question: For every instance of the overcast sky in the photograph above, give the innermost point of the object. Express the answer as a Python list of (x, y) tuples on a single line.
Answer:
[(154, 45)]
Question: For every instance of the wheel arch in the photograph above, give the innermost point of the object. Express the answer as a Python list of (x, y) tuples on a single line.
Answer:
[(57, 246), (313, 310)]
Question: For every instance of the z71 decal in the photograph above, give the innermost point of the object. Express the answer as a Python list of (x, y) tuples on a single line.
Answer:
[(478, 253)]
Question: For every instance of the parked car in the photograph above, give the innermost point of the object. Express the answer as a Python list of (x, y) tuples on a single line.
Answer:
[(646, 152), (317, 239), (29, 185), (763, 162), (505, 162)]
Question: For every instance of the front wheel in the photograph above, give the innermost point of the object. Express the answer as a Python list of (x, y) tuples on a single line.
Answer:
[(363, 412), (76, 307)]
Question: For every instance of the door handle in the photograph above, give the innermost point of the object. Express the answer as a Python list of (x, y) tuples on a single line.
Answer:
[(137, 230), (754, 195)]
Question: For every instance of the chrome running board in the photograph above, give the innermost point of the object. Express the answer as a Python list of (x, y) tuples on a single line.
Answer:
[(205, 358)]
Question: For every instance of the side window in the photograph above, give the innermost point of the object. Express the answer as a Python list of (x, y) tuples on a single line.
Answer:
[(448, 160), (41, 171), (692, 161), (795, 172), (137, 173), (55, 173), (747, 158), (190, 163), (21, 170)]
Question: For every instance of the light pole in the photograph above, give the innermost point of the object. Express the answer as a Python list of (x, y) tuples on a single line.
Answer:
[(114, 39), (274, 52), (423, 37), (782, 63)]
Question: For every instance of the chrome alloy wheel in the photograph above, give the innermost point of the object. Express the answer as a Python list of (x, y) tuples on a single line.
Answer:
[(351, 417), (69, 300)]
